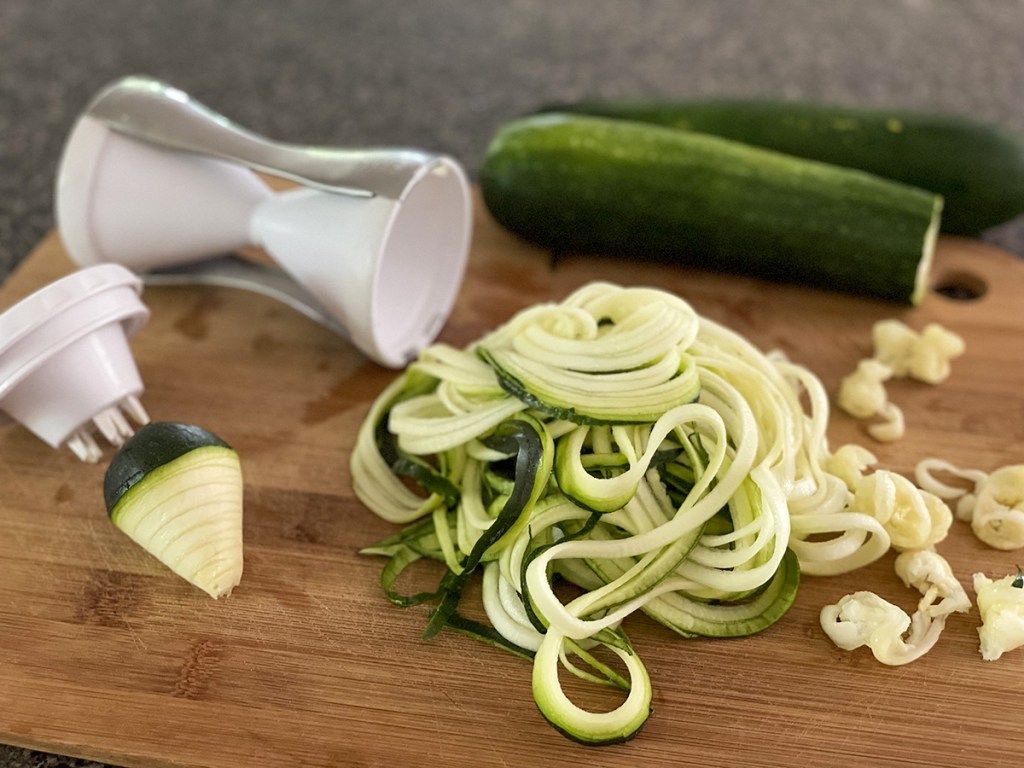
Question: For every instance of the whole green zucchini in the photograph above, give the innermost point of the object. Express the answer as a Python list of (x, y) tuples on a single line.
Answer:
[(586, 184), (978, 168)]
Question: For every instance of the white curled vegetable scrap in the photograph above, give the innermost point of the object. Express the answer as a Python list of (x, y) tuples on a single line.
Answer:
[(899, 352), (998, 516), (862, 394), (894, 343), (864, 618), (1001, 605), (849, 462), (913, 518), (925, 356), (933, 353), (930, 574), (892, 427), (924, 474), (994, 506)]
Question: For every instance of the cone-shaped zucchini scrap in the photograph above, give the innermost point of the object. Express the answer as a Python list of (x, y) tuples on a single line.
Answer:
[(176, 490)]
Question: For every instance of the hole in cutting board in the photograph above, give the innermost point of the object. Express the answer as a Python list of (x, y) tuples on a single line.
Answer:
[(960, 286)]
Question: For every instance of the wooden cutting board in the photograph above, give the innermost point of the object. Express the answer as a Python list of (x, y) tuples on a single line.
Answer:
[(105, 654)]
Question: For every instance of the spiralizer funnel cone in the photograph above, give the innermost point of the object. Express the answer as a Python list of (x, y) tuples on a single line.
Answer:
[(379, 238)]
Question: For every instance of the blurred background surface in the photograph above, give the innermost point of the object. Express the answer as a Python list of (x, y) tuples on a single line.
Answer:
[(444, 74)]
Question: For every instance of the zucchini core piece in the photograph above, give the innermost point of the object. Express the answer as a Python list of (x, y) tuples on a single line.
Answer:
[(176, 490)]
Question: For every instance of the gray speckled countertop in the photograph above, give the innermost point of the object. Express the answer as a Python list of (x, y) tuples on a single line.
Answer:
[(444, 74)]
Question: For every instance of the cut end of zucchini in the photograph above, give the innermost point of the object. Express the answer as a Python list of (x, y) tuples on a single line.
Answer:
[(176, 491), (924, 267)]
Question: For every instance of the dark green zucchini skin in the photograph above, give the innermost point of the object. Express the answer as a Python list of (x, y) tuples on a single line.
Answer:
[(595, 185), (152, 446), (978, 168)]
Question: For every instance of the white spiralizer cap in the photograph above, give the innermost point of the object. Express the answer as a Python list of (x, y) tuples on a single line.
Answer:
[(65, 367)]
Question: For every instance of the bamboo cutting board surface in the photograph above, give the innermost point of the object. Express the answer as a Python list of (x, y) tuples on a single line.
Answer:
[(105, 654)]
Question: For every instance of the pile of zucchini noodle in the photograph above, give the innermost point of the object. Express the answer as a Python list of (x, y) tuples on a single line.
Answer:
[(612, 453)]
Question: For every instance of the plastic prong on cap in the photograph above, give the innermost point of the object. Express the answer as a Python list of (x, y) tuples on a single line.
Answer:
[(112, 424), (84, 446), (133, 407)]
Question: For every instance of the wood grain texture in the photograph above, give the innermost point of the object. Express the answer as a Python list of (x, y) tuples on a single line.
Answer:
[(105, 654)]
